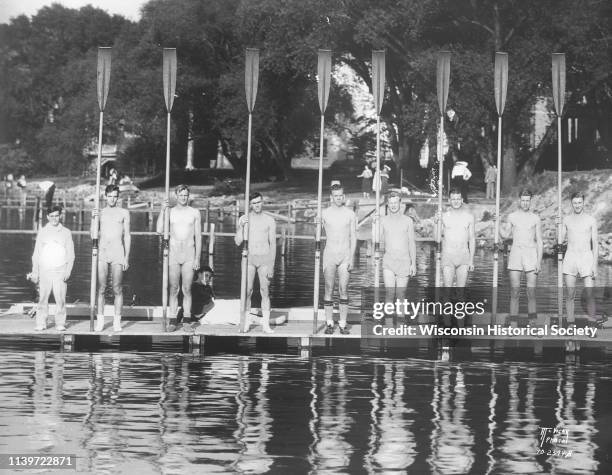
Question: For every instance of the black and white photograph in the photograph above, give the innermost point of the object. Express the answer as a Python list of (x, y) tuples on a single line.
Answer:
[(306, 236)]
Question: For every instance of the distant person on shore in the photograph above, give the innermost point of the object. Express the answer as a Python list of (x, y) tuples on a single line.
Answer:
[(412, 214), (340, 227), (185, 247), (52, 263), (22, 186), (581, 257), (525, 253), (260, 230), (460, 176), (48, 189), (366, 181), (114, 250), (458, 241), (490, 179), (397, 239), (112, 177)]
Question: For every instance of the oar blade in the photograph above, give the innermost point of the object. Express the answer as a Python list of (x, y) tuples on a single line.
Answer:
[(378, 78), (104, 69), (169, 77), (324, 65), (251, 76), (443, 79), (501, 81), (558, 81)]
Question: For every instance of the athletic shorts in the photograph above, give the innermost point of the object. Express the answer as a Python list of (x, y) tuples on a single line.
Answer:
[(524, 259), (578, 263), (335, 259), (398, 264), (111, 254), (260, 261), (181, 252), (455, 257)]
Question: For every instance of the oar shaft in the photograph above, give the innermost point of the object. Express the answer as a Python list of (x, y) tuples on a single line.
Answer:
[(440, 192), (96, 224), (317, 270), (497, 200), (377, 225), (166, 236), (245, 243), (560, 215)]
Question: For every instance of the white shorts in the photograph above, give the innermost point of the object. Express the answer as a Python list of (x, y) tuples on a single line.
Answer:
[(523, 259), (578, 263)]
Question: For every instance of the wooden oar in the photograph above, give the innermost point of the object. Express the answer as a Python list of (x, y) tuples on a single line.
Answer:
[(501, 87), (324, 64), (169, 73), (104, 68), (378, 90), (558, 83), (251, 77), (442, 83)]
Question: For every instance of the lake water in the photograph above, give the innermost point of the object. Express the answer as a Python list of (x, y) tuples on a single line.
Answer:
[(252, 408), (174, 413)]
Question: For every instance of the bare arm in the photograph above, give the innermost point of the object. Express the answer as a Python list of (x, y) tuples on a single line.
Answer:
[(35, 255), (411, 243), (161, 218), (353, 234), (197, 231), (539, 241), (92, 228), (472, 240), (563, 233), (595, 244), (240, 230), (127, 237), (272, 241)]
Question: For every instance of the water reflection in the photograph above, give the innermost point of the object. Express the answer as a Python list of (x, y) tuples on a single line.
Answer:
[(183, 414)]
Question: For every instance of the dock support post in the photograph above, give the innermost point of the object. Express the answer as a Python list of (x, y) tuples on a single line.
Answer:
[(196, 344), (150, 214), (305, 346), (67, 343), (211, 240), (283, 241)]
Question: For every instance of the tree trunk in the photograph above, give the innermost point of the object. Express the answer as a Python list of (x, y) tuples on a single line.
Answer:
[(189, 165), (509, 164)]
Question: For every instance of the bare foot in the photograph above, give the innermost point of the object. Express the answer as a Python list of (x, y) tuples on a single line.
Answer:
[(266, 329)]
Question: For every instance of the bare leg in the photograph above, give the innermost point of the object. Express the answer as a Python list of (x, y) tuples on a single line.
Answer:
[(102, 279), (462, 273), (400, 291), (186, 281), (264, 287), (590, 297), (174, 278), (515, 289), (251, 271), (532, 278), (329, 273), (343, 280), (117, 271), (448, 275), (570, 283), (389, 280)]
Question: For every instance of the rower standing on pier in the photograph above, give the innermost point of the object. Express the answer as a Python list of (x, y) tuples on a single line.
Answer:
[(525, 253), (185, 247), (397, 238), (340, 227), (114, 250), (261, 229), (458, 243), (581, 257)]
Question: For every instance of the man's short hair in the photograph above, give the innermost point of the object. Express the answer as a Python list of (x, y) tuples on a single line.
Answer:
[(203, 269), (54, 208), (577, 194), (111, 188), (526, 192), (394, 194), (255, 194), (180, 188), (335, 187), (454, 191)]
